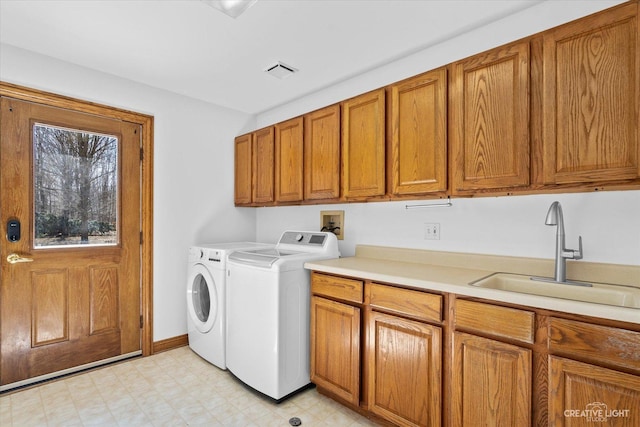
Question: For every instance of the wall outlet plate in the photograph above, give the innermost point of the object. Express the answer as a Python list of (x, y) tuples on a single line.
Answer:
[(431, 231), (333, 221)]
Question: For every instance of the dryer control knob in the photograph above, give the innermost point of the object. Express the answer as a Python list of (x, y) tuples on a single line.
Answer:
[(299, 237)]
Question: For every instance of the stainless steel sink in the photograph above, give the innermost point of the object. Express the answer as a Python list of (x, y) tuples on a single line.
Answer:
[(600, 293)]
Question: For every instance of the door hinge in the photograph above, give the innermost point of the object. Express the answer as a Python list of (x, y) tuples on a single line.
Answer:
[(141, 237), (141, 322), (141, 153)]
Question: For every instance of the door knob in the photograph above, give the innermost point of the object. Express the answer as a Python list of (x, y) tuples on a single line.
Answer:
[(15, 258)]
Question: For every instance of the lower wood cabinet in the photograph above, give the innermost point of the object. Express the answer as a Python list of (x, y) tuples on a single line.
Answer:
[(335, 335), (419, 358), (335, 348), (405, 363), (581, 394), (491, 382)]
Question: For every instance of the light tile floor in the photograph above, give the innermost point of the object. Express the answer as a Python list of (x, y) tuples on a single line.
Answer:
[(174, 388)]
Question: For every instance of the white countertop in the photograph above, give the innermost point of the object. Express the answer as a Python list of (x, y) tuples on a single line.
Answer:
[(452, 272)]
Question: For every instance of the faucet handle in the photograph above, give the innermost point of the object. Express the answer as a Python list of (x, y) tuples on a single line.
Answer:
[(578, 254)]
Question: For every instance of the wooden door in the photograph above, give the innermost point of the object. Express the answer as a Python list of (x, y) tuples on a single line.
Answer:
[(405, 370), (591, 96), (491, 382), (363, 145), (72, 297), (489, 122), (585, 395), (418, 118), (322, 154), (335, 348), (242, 170), (289, 160), (263, 166)]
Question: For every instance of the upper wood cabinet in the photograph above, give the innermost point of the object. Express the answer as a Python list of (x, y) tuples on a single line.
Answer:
[(242, 182), (289, 160), (263, 165), (489, 120), (322, 154), (591, 91), (363, 145), (418, 134)]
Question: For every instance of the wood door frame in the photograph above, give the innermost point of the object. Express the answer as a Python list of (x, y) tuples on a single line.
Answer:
[(146, 206)]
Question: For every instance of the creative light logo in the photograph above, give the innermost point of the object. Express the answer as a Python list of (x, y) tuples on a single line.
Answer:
[(597, 412)]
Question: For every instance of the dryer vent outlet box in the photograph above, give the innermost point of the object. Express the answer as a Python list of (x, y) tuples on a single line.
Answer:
[(333, 221)]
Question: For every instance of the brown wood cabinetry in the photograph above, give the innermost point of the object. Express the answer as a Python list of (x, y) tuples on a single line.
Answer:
[(263, 166), (591, 92), (404, 356), (418, 134), (335, 336), (289, 150), (490, 379), (557, 111), (243, 166), (581, 394), (363, 145), (489, 120), (322, 154), (425, 359)]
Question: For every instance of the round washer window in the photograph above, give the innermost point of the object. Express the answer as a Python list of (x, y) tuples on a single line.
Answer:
[(201, 298)]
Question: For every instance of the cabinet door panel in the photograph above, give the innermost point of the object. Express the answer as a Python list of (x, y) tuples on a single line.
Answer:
[(242, 187), (585, 395), (489, 126), (491, 382), (335, 348), (363, 145), (590, 99), (418, 117), (263, 165), (289, 160), (322, 154), (405, 370)]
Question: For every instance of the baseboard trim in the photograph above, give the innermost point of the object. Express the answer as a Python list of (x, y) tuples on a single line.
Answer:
[(170, 343)]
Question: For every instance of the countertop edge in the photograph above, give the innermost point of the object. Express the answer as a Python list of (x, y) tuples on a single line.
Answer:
[(455, 280)]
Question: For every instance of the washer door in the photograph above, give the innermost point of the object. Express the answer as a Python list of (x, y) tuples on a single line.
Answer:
[(202, 298)]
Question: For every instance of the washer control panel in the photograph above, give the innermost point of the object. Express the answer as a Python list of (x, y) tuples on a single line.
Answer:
[(302, 238)]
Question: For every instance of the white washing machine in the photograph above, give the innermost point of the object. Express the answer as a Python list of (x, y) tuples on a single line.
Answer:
[(206, 300), (268, 303)]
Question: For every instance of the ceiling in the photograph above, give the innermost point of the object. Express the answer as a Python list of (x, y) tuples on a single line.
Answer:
[(190, 48)]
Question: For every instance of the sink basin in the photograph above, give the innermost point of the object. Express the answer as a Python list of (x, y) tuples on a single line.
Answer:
[(599, 293)]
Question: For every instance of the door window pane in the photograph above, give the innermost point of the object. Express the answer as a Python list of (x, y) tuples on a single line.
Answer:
[(75, 187)]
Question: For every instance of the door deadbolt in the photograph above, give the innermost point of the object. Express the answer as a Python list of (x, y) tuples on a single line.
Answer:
[(13, 230)]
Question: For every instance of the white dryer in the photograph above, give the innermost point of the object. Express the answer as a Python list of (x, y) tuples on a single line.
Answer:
[(206, 311), (268, 303)]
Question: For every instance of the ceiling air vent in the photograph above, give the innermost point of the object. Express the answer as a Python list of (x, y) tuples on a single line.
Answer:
[(280, 70)]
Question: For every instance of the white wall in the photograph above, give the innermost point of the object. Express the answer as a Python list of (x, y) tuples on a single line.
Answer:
[(193, 167), (609, 222)]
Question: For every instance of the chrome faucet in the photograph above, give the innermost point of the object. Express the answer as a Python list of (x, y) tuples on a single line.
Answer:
[(554, 217)]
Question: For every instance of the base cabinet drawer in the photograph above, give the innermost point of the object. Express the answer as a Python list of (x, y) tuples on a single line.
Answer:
[(596, 343)]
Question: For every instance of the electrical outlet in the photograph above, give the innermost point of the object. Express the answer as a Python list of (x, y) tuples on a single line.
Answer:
[(431, 231)]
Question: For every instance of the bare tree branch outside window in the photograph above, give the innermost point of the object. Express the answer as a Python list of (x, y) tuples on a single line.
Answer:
[(76, 187)]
